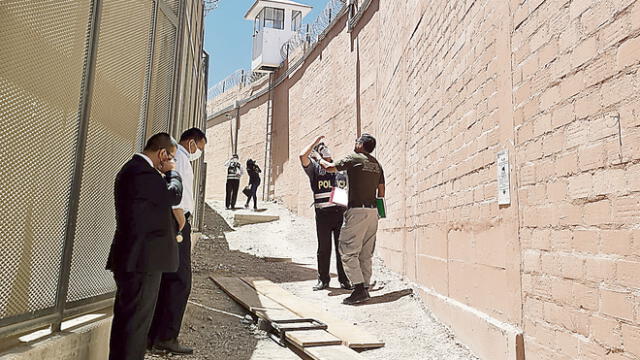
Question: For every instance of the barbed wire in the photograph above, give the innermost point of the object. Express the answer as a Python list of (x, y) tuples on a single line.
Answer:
[(309, 34), (210, 5), (238, 78)]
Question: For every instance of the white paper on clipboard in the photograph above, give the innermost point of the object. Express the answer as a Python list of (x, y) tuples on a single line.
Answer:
[(339, 197)]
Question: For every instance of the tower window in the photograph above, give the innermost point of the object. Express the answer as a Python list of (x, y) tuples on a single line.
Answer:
[(296, 20), (274, 18)]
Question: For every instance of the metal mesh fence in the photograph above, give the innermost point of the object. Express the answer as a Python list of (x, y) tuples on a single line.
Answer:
[(40, 88), (162, 78), (173, 5), (82, 84), (111, 138)]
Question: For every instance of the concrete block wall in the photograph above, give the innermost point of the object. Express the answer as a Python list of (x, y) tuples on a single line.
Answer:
[(217, 151), (444, 86), (251, 134), (577, 114)]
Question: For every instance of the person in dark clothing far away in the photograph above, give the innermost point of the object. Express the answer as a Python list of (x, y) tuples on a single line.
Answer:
[(144, 245), (328, 215), (254, 181), (358, 235), (175, 287), (234, 172)]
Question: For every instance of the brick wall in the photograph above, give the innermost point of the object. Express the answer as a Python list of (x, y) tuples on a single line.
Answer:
[(577, 109), (446, 85)]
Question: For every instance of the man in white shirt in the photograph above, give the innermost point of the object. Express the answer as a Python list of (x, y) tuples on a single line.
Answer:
[(175, 287), (234, 172)]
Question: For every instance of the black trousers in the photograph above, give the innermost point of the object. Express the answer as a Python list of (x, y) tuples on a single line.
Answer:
[(173, 294), (253, 195), (232, 193), (328, 223), (136, 295)]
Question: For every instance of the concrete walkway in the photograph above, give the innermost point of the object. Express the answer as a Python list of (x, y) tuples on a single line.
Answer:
[(399, 318)]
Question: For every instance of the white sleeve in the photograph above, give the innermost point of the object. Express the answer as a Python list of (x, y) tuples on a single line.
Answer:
[(182, 168)]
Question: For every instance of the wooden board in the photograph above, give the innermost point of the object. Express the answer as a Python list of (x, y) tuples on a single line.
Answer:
[(334, 352), (245, 219), (258, 304), (268, 309), (309, 338), (275, 259), (351, 335)]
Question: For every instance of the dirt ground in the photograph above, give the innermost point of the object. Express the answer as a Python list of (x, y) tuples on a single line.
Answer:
[(213, 324), (216, 335)]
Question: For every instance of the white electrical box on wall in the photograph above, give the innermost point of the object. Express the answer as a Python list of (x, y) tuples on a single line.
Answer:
[(504, 184)]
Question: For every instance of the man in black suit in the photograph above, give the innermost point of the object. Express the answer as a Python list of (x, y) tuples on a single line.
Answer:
[(144, 245)]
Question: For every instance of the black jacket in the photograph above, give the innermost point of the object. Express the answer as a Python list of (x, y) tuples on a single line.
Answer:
[(254, 174), (145, 238)]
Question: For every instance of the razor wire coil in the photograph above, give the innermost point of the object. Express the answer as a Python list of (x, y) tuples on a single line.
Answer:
[(308, 34)]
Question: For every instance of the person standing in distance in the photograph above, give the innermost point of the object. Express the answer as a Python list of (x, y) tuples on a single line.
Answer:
[(175, 287), (358, 235), (144, 245), (328, 215), (254, 181), (234, 172)]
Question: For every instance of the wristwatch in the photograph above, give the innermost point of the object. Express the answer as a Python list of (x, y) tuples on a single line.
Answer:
[(179, 237)]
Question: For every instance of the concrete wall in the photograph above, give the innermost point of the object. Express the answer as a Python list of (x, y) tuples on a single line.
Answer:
[(445, 86), (86, 342)]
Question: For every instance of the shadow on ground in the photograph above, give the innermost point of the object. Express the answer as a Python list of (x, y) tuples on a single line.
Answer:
[(387, 298), (214, 335)]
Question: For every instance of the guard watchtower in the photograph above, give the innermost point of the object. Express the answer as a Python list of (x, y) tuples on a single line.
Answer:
[(274, 23)]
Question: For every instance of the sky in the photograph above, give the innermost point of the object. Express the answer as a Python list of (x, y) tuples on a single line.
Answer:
[(228, 36)]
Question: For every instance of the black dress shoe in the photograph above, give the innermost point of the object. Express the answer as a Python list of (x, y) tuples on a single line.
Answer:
[(360, 294), (172, 346), (321, 285)]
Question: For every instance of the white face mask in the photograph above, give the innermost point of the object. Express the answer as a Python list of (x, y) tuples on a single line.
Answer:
[(196, 155)]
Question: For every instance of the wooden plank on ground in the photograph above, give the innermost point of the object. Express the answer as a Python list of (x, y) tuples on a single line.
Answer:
[(246, 219), (259, 304), (309, 338), (275, 259), (351, 335), (267, 309), (333, 352)]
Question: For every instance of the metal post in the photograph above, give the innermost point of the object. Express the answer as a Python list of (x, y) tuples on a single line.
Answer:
[(148, 77), (235, 151), (74, 199), (177, 78)]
